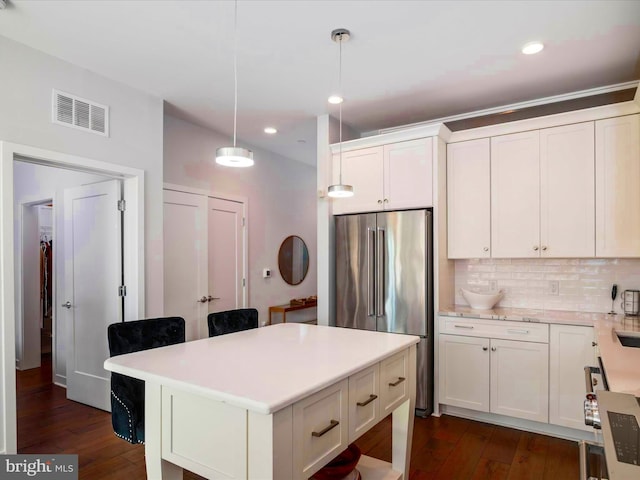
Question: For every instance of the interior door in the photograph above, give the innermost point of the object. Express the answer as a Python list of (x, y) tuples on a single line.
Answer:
[(93, 273), (185, 260), (226, 262)]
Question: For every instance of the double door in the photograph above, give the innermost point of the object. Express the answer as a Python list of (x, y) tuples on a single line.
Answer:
[(204, 258)]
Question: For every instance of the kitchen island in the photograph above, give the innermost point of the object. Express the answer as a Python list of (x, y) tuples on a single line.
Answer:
[(276, 402)]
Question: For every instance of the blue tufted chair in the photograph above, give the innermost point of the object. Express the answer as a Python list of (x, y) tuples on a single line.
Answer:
[(127, 394), (232, 321)]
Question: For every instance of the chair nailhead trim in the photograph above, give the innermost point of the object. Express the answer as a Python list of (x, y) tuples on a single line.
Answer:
[(130, 439)]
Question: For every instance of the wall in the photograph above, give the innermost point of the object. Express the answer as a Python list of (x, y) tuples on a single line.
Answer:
[(584, 284), (33, 183), (281, 197), (27, 78)]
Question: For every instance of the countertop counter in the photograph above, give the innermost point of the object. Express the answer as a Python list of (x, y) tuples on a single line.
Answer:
[(263, 369), (621, 364)]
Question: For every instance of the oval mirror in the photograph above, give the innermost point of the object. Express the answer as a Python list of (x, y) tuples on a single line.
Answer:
[(293, 260)]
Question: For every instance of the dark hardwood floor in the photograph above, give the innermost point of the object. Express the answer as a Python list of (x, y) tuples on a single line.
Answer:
[(443, 448)]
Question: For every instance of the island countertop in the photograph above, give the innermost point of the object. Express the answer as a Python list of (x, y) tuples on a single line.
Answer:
[(263, 369)]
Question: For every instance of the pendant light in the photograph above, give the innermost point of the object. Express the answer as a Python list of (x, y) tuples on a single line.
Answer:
[(340, 190), (234, 156)]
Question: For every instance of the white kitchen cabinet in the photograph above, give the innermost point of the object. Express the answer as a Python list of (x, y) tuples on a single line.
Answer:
[(469, 199), (520, 379), (387, 177), (515, 195), (464, 371), (567, 191), (542, 193), (618, 187), (486, 366), (364, 403), (571, 348)]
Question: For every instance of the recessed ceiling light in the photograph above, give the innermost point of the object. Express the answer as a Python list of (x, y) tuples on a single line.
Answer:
[(335, 99), (270, 130), (532, 47)]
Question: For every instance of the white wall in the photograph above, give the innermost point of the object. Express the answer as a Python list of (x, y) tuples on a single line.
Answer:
[(27, 78), (281, 197), (34, 183)]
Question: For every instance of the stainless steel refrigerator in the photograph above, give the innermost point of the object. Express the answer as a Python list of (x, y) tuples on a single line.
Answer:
[(384, 281)]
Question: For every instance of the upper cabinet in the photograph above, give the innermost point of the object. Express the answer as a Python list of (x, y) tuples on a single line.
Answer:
[(387, 177), (542, 194), (618, 187), (469, 199)]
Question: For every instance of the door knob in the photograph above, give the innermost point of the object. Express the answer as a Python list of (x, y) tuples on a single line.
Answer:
[(202, 300), (486, 249), (210, 298), (493, 349), (67, 304), (544, 247), (485, 348), (535, 248), (379, 202)]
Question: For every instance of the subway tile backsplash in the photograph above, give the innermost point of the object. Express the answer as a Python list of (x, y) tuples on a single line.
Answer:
[(584, 285)]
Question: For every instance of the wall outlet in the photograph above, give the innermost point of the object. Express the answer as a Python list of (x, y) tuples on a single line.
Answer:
[(553, 287), (493, 285), (266, 273)]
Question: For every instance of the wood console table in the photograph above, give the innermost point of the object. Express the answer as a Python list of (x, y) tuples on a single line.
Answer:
[(283, 309), (225, 418)]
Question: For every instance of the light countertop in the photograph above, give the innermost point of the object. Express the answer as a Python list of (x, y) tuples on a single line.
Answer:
[(621, 364), (263, 369)]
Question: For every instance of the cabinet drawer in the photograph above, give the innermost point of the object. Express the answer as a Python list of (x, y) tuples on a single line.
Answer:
[(502, 329), (364, 402), (394, 387), (320, 429)]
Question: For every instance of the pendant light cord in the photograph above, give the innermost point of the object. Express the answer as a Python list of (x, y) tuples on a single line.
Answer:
[(340, 105), (235, 71)]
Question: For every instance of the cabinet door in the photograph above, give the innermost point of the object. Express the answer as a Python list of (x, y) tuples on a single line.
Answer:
[(515, 195), (464, 371), (520, 379), (618, 187), (567, 191), (468, 199), (362, 169), (364, 403), (394, 384), (408, 174), (571, 349)]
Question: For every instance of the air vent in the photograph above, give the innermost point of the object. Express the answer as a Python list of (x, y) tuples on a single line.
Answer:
[(77, 112)]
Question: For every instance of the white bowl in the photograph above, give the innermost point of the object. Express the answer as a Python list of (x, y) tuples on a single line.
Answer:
[(481, 301)]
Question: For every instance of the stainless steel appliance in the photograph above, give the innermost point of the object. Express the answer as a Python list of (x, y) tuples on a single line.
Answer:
[(631, 302), (593, 465), (384, 282)]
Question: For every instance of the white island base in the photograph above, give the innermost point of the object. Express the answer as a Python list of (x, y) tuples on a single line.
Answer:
[(220, 420)]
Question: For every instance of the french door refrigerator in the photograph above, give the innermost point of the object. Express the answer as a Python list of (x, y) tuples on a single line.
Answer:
[(384, 281)]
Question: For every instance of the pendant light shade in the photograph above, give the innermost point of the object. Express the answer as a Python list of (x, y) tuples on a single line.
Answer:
[(234, 156), (340, 190)]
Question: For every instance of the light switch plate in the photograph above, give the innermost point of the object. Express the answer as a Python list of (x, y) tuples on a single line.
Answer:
[(554, 287)]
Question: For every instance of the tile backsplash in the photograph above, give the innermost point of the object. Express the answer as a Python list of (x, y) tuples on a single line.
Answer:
[(583, 285)]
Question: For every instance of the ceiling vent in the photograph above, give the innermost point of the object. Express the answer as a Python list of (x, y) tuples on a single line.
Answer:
[(76, 112)]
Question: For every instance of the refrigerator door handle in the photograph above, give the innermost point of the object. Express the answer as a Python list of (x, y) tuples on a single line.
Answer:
[(380, 269), (371, 259)]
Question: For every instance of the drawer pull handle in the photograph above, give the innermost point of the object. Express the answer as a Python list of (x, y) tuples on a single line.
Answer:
[(372, 397), (333, 424), (398, 382), (516, 330), (468, 327)]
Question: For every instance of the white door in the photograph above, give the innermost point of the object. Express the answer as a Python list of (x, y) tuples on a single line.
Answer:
[(469, 199), (93, 273), (226, 255), (567, 191), (185, 260), (515, 195), (408, 174), (464, 372), (520, 379)]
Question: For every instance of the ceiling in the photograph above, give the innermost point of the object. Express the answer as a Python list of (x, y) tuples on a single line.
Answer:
[(407, 61)]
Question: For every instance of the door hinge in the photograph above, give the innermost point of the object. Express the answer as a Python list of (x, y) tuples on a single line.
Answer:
[(243, 221), (122, 291), (244, 282), (121, 205)]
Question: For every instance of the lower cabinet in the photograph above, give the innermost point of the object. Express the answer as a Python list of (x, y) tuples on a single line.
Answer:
[(571, 348), (506, 377)]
